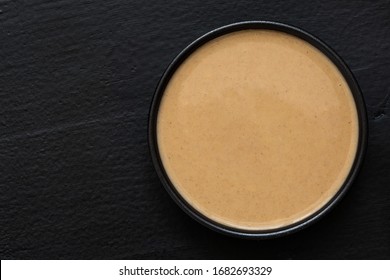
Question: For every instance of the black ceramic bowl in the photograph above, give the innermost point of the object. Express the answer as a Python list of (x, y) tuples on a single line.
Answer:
[(362, 118)]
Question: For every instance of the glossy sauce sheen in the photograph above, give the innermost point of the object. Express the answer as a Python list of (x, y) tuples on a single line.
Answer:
[(257, 129)]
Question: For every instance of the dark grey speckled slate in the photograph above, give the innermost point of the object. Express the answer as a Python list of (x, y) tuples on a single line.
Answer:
[(76, 81)]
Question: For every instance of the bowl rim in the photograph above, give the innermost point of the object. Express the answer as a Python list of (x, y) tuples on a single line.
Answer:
[(262, 25)]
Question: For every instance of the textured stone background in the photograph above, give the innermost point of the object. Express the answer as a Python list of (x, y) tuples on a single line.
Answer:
[(76, 81)]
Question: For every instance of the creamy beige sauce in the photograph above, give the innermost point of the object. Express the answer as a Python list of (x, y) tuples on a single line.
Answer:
[(257, 129)]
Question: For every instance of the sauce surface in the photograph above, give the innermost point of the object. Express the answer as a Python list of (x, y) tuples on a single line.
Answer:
[(257, 129)]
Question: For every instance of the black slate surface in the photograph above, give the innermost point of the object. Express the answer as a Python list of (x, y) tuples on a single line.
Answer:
[(76, 82)]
